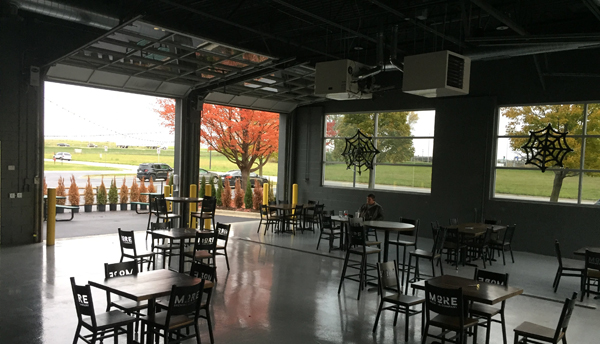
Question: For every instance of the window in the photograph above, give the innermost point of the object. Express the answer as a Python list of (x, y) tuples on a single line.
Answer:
[(405, 142), (577, 182)]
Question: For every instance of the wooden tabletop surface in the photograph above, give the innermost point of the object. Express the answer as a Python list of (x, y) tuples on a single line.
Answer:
[(145, 285), (486, 293), (390, 225), (474, 228), (581, 251)]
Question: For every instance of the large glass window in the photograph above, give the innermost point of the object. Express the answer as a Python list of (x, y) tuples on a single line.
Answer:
[(405, 142), (576, 182)]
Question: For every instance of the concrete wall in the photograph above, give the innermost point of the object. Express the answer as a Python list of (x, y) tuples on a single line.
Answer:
[(463, 156)]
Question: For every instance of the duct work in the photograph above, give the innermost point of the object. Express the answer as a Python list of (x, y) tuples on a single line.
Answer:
[(66, 12)]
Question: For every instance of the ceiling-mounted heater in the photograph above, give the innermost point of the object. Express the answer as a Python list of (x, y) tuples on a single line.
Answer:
[(438, 74)]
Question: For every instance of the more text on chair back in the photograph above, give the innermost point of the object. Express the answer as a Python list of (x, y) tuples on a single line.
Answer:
[(185, 300), (82, 295), (490, 277), (509, 233), (126, 239), (208, 205), (357, 233), (160, 225), (120, 269), (592, 260), (453, 221), (444, 301), (558, 254), (203, 271), (223, 231), (438, 242), (388, 277), (565, 317), (205, 241)]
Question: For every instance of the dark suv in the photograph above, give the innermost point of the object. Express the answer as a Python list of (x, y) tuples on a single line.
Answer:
[(154, 170)]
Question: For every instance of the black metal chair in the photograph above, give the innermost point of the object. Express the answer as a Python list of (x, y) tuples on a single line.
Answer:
[(165, 249), (404, 240), (591, 273), (480, 247), (102, 325), (205, 245), (329, 232), (571, 268), (357, 237), (129, 250), (182, 313), (400, 303), (534, 333), (207, 212), (450, 308), (271, 219), (479, 310), (434, 255), (505, 243), (128, 306), (222, 240)]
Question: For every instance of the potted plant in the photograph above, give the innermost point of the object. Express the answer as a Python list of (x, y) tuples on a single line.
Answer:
[(123, 195), (238, 198), (134, 194), (219, 192), (101, 196), (226, 195), (143, 198), (202, 187), (74, 194), (248, 195), (60, 191), (257, 198), (151, 187), (88, 197), (45, 187), (113, 195)]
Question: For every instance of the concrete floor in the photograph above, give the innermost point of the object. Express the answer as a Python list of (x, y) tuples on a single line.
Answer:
[(279, 290)]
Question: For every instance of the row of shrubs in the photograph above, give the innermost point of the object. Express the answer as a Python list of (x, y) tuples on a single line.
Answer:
[(247, 199)]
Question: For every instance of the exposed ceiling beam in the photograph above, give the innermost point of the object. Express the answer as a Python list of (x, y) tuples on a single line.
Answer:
[(593, 6), (235, 24), (501, 17), (418, 23)]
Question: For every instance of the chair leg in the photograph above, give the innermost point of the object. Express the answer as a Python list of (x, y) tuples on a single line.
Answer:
[(226, 258), (503, 324), (557, 279), (378, 314), (344, 271), (441, 266), (406, 319), (403, 263), (511, 254), (77, 333), (210, 331), (319, 241), (408, 274), (362, 272)]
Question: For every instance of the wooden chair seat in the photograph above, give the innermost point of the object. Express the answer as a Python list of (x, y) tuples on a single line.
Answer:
[(481, 310), (199, 215), (367, 250), (536, 331), (129, 305), (404, 299), (159, 320), (403, 242), (111, 319), (452, 323), (373, 243), (592, 273), (199, 255), (424, 254)]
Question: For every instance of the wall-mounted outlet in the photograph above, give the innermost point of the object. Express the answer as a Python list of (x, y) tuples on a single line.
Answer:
[(11, 167), (12, 195), (19, 195)]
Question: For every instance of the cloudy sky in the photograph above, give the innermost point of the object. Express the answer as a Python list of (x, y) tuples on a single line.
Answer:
[(90, 114)]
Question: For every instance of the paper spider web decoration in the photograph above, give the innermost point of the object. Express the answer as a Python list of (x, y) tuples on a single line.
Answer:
[(545, 146), (359, 152)]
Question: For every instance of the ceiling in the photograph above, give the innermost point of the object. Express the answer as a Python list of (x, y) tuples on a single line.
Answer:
[(262, 53)]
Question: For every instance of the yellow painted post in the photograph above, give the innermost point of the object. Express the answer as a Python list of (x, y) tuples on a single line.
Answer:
[(266, 194), (193, 193), (51, 220), (207, 193), (294, 197), (167, 191)]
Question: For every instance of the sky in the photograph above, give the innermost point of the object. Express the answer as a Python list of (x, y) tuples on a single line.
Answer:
[(96, 115)]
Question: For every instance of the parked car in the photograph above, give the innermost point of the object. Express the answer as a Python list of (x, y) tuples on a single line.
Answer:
[(92, 145), (62, 156), (63, 144), (233, 175), (208, 176), (154, 170)]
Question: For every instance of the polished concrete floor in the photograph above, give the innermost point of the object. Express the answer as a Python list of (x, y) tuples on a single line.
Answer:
[(280, 290)]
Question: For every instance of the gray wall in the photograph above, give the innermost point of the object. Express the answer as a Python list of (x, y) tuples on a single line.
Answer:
[(463, 158)]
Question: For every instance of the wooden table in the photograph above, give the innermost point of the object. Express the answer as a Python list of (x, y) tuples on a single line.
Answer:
[(285, 210), (475, 229), (581, 251), (343, 220), (176, 234), (487, 293), (147, 285), (185, 201), (389, 226)]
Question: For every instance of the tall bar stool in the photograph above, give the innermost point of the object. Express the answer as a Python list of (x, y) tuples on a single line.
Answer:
[(404, 240)]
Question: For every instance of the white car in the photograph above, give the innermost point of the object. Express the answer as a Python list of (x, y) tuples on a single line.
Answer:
[(62, 156)]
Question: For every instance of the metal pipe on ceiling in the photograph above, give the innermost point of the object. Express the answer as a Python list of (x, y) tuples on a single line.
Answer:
[(62, 11)]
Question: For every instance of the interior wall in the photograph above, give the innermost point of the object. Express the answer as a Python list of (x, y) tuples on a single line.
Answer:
[(463, 158)]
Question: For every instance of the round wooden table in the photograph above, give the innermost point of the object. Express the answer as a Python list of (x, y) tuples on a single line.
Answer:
[(389, 226)]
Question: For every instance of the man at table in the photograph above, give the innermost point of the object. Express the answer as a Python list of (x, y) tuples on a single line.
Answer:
[(371, 211)]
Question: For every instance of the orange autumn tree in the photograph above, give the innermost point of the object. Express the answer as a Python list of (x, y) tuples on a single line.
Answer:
[(245, 137)]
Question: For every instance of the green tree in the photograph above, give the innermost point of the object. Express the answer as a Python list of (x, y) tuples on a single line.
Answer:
[(219, 192), (390, 124), (248, 196), (563, 117), (202, 187), (113, 193)]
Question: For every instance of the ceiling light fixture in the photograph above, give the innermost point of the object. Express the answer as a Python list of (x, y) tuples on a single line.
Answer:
[(501, 27)]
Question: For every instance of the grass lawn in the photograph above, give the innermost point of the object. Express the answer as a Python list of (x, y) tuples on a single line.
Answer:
[(59, 166)]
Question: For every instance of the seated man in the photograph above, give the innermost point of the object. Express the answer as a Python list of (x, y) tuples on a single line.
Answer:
[(371, 211)]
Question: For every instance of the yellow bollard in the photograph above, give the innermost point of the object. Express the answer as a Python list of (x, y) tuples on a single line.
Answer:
[(294, 197), (207, 193), (51, 220), (266, 194), (193, 194), (167, 190)]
